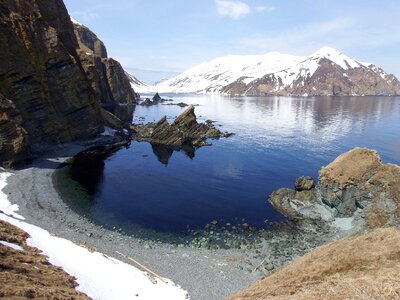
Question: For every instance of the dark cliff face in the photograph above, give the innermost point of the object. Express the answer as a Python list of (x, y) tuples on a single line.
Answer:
[(107, 75), (13, 137), (41, 74), (52, 84)]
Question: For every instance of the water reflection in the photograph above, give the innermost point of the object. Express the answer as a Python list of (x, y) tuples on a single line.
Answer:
[(277, 121), (164, 153), (276, 140), (88, 167)]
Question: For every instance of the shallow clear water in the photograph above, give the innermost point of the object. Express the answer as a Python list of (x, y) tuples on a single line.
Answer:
[(276, 140)]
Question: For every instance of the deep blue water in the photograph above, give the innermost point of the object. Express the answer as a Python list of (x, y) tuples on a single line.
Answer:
[(276, 140)]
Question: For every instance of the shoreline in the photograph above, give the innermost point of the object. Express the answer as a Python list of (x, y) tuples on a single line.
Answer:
[(205, 274)]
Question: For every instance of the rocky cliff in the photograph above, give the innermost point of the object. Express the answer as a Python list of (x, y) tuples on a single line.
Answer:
[(108, 78), (13, 137), (52, 89)]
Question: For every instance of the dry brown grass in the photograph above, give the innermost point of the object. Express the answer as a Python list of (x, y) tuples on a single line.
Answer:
[(364, 267), (351, 166), (27, 274)]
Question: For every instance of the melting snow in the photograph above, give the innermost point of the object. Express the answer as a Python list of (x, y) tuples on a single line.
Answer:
[(5, 206), (11, 245)]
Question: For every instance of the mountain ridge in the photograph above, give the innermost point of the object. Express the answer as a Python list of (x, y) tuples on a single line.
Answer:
[(325, 72)]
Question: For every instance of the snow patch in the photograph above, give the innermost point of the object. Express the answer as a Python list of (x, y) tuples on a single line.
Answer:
[(74, 21), (11, 245), (5, 206), (108, 131), (99, 276)]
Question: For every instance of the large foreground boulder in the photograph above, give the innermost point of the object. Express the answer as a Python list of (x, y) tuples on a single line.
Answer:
[(356, 184)]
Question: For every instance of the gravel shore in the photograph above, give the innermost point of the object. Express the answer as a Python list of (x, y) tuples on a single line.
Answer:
[(205, 274)]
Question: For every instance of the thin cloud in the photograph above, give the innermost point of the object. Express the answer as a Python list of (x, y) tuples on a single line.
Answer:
[(264, 8), (232, 9), (296, 40)]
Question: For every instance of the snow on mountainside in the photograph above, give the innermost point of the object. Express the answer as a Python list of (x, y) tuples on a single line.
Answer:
[(138, 85), (325, 72)]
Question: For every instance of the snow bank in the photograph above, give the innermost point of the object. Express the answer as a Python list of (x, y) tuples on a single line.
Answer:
[(5, 205), (99, 276)]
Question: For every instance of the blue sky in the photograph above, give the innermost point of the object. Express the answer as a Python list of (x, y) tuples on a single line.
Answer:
[(158, 38)]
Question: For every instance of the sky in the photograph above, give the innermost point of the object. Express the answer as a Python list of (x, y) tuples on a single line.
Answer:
[(156, 39)]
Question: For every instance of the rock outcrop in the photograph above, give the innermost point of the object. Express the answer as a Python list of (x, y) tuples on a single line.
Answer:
[(51, 83), (363, 267), (13, 137), (185, 130), (356, 184), (108, 78)]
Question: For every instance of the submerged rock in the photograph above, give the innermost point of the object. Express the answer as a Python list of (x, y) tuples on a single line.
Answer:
[(185, 130), (355, 185), (157, 99)]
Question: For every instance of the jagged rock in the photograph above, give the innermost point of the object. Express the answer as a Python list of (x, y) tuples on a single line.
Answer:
[(108, 78), (184, 130), (304, 183), (147, 102), (14, 145), (356, 183), (157, 98)]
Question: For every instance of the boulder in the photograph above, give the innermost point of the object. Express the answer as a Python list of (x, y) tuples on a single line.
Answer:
[(304, 183), (300, 206), (356, 184)]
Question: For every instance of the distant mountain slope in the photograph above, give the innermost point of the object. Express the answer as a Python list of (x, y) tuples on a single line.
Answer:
[(137, 84), (325, 72)]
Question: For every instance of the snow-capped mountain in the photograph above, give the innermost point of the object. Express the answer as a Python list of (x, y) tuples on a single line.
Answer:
[(325, 72)]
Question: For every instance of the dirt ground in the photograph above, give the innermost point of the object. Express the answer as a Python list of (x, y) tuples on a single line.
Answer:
[(363, 267), (27, 274)]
